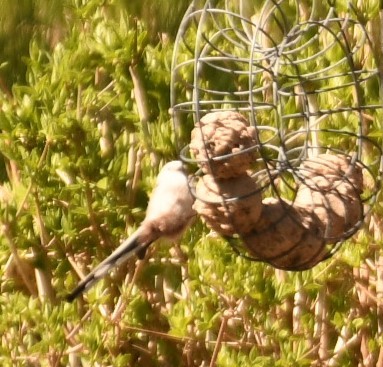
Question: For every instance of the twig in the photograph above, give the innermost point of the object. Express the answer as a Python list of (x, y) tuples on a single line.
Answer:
[(343, 346), (141, 98), (30, 186), (19, 265), (75, 267), (180, 339), (299, 301), (131, 169), (134, 169), (43, 278), (121, 306), (221, 332), (321, 327), (76, 329), (312, 104), (366, 293), (44, 285), (93, 218)]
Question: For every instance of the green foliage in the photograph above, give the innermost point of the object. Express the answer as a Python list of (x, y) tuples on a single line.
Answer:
[(39, 19), (78, 160)]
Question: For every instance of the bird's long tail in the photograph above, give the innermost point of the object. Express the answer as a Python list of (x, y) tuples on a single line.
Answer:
[(127, 249)]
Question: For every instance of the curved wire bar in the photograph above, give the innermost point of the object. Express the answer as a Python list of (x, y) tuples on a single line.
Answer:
[(301, 78)]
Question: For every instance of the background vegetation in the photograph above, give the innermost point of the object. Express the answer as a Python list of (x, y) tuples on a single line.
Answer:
[(84, 99)]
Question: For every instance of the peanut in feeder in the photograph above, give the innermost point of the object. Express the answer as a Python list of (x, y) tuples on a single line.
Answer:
[(304, 86)]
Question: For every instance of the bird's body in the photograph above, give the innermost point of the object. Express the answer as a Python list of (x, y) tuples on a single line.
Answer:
[(169, 212)]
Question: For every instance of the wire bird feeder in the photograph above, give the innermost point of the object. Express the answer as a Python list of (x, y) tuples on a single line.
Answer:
[(281, 99)]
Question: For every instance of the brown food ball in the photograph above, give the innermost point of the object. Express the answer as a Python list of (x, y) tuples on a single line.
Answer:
[(326, 210), (216, 203), (331, 189), (286, 237), (222, 133), (333, 167)]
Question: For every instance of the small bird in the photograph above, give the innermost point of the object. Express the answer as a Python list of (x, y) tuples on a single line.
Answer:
[(169, 213)]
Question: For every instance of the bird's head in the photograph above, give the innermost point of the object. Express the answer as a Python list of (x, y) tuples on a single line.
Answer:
[(173, 166)]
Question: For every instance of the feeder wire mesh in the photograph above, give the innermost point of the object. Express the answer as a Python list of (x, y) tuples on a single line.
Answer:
[(281, 102)]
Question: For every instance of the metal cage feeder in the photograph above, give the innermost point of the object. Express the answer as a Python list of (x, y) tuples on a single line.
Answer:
[(280, 101)]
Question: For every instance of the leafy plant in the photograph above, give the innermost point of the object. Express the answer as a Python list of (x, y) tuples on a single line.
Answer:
[(82, 137)]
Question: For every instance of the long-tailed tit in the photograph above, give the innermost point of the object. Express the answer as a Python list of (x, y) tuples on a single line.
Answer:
[(168, 215)]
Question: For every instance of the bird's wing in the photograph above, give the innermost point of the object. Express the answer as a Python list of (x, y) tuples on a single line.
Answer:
[(128, 248)]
